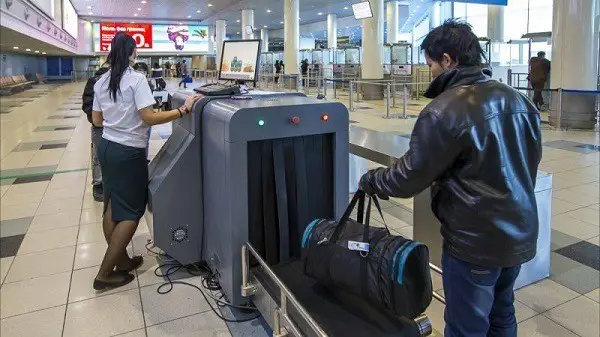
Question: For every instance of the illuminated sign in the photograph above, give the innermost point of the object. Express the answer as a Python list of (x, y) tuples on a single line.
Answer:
[(154, 38)]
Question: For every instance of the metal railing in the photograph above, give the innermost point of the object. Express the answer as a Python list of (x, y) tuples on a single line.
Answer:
[(81, 75)]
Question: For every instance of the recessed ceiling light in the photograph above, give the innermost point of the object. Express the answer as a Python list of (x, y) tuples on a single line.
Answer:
[(139, 9), (209, 5), (92, 21), (180, 23), (238, 33), (89, 7), (37, 51), (90, 13), (268, 11), (346, 7), (43, 53), (144, 1), (319, 13), (15, 47), (135, 14), (281, 22), (198, 11), (265, 26), (27, 49), (189, 16), (237, 20)]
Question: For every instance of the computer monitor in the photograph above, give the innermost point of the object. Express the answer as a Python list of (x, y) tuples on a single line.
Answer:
[(239, 60), (362, 10)]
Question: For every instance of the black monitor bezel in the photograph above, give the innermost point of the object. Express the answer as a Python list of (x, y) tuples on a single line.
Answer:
[(220, 78)]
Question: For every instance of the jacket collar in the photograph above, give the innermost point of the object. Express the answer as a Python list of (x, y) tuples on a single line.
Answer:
[(456, 77)]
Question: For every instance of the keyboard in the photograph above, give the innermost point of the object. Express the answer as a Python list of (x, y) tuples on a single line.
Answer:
[(217, 89)]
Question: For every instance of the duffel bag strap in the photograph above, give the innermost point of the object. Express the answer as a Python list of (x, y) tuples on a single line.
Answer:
[(359, 196), (376, 201)]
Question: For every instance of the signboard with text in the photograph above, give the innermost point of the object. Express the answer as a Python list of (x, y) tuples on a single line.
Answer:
[(141, 33), (154, 38)]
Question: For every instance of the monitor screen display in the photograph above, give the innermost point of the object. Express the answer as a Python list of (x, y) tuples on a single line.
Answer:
[(362, 10), (239, 60)]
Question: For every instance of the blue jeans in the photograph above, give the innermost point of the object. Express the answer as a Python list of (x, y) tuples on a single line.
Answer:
[(479, 300)]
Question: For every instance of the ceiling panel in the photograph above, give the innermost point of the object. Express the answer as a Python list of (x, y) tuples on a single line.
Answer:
[(10, 39)]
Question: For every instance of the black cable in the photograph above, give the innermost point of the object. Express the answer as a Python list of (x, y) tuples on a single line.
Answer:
[(208, 280)]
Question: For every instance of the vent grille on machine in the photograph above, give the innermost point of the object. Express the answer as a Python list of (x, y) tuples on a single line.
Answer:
[(179, 234)]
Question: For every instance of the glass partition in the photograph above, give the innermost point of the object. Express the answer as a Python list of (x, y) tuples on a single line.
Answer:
[(353, 56)]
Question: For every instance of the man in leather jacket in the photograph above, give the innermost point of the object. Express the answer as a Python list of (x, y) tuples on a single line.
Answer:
[(478, 145)]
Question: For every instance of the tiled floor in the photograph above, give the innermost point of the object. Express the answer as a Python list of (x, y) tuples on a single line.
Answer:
[(51, 241)]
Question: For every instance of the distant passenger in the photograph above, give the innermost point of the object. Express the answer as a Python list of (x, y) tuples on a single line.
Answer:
[(123, 105), (539, 68), (304, 70), (167, 69), (477, 145), (278, 66), (87, 103), (183, 71), (157, 71)]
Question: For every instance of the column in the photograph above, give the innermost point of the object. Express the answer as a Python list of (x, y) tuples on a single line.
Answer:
[(435, 15), (372, 42), (211, 40), (220, 37), (331, 31), (291, 28), (392, 21), (446, 10), (264, 36), (495, 33), (574, 55), (247, 20)]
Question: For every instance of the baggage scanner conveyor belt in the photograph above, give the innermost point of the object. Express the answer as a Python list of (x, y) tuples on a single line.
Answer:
[(295, 305)]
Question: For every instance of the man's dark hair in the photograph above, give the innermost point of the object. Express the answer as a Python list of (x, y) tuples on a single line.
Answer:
[(455, 38), (541, 53)]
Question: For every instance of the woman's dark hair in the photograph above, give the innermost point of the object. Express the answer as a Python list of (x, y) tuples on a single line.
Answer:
[(455, 38), (156, 65), (141, 66), (121, 49)]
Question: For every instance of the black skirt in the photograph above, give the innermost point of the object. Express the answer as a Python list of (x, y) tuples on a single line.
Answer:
[(125, 179)]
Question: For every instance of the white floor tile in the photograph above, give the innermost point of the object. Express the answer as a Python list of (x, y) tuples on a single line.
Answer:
[(91, 215), (17, 211), (34, 294), (576, 228), (540, 326), (54, 221), (587, 214), (91, 233), (43, 323), (182, 301), (544, 295), (37, 187), (136, 333), (44, 263), (595, 240), (594, 295), (5, 264), (105, 316), (63, 193), (50, 239), (200, 325), (522, 312), (577, 196), (12, 199), (579, 315), (89, 254), (60, 206), (81, 285), (560, 206)]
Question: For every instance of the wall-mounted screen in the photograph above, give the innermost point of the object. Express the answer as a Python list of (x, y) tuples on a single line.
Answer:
[(362, 10), (69, 18), (46, 6), (154, 38)]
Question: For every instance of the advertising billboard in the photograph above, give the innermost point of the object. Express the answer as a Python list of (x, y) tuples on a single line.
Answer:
[(46, 6), (164, 39), (69, 19)]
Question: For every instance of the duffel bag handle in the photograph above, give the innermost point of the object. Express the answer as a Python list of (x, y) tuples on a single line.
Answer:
[(359, 197)]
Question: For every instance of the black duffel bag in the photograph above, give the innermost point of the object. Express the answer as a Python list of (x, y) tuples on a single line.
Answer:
[(389, 271)]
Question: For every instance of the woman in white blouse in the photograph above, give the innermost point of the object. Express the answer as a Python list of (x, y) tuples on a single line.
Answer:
[(123, 106)]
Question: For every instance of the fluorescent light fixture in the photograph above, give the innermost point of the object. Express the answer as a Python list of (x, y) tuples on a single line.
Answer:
[(345, 7), (139, 9), (144, 1), (281, 22), (15, 47), (37, 51), (135, 14), (268, 11), (27, 49), (189, 16), (209, 5), (265, 26), (43, 53), (320, 13), (198, 11), (237, 20)]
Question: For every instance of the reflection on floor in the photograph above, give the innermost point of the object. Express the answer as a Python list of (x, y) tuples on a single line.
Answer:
[(51, 240)]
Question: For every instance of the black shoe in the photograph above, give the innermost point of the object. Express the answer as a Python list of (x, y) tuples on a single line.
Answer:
[(98, 193), (136, 262), (124, 279)]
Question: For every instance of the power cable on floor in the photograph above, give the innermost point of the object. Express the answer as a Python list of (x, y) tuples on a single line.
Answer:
[(208, 279)]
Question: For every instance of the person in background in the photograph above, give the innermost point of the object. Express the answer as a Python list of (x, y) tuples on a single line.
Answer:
[(123, 106), (183, 71), (87, 100), (177, 69), (539, 68), (304, 70), (156, 71), (478, 145), (167, 69), (278, 66)]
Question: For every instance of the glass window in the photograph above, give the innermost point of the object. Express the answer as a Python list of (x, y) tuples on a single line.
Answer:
[(540, 16)]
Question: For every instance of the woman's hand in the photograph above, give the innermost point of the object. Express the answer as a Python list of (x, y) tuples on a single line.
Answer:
[(190, 101)]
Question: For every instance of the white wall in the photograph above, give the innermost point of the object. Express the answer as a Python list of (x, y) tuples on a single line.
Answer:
[(18, 64)]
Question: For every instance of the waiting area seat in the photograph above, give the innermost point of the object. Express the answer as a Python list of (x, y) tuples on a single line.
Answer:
[(12, 84)]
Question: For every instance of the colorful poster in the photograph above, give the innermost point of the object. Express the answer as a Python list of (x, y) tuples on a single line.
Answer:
[(141, 33), (167, 39)]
